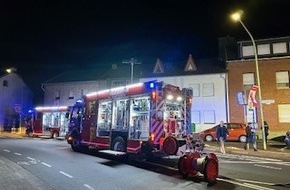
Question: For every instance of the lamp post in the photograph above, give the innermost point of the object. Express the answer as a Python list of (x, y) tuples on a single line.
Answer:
[(132, 62), (237, 17)]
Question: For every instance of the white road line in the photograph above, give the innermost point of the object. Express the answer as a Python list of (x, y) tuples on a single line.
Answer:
[(18, 154), (251, 186), (65, 174), (256, 182), (30, 158), (269, 167), (45, 164), (5, 150), (89, 187)]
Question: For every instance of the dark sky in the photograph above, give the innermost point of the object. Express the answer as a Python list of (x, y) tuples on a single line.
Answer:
[(42, 38)]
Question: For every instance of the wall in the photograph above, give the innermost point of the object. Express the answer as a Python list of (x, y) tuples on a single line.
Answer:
[(216, 103), (267, 70)]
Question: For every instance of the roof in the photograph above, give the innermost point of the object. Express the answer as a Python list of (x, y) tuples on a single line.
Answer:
[(121, 71)]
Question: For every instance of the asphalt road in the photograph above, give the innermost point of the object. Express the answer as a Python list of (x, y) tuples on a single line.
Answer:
[(51, 164)]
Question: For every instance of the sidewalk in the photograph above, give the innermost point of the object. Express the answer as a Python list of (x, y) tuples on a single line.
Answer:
[(275, 149)]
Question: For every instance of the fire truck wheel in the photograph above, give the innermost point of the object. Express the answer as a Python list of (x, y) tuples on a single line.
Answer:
[(170, 145), (75, 145), (55, 135), (119, 144), (211, 170), (182, 166)]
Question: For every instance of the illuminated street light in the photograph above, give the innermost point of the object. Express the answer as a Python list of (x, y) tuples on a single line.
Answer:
[(11, 70), (237, 17)]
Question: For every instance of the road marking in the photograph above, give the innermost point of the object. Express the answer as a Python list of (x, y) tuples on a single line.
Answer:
[(5, 150), (269, 167), (18, 154), (30, 158), (89, 187), (252, 186), (65, 174), (256, 182), (45, 164)]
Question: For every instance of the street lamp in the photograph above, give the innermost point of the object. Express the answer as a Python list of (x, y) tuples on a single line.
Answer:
[(132, 62), (237, 17)]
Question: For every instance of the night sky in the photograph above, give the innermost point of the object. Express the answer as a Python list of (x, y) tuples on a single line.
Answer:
[(43, 38)]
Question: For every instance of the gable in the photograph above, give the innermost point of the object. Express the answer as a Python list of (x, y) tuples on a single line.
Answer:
[(159, 68), (190, 65)]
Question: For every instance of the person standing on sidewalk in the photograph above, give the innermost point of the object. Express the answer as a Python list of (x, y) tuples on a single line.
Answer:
[(221, 136), (248, 136), (254, 136), (266, 130)]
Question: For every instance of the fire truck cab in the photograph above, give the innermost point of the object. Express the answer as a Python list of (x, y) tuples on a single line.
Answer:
[(48, 121), (151, 118)]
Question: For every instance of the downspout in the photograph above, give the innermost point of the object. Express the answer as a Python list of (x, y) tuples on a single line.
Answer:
[(223, 76)]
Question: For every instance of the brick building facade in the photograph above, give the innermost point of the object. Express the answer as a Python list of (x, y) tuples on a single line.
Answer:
[(274, 68)]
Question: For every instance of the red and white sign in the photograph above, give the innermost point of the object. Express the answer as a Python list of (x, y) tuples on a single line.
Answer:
[(252, 102)]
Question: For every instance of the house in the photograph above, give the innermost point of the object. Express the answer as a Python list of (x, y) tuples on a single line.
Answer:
[(207, 78), (16, 99), (274, 68), (67, 87)]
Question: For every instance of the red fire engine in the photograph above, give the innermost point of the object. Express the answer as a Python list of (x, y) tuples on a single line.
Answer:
[(148, 119), (48, 121)]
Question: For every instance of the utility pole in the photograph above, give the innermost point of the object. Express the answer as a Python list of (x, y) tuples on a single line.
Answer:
[(132, 62)]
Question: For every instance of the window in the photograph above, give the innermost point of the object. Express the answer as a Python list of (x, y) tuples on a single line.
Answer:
[(71, 94), (248, 80), (118, 83), (209, 117), (57, 95), (284, 113), (247, 51), (196, 90), (264, 49), (195, 115), (280, 48), (207, 89), (5, 82), (282, 79)]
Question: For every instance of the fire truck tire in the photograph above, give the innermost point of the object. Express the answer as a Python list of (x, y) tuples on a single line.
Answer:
[(182, 166), (76, 145), (170, 145), (211, 170), (119, 144), (55, 135), (30, 134)]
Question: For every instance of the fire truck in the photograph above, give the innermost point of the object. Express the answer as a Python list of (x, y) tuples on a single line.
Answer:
[(147, 119), (51, 122)]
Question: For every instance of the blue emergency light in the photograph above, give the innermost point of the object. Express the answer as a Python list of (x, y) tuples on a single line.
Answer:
[(152, 85)]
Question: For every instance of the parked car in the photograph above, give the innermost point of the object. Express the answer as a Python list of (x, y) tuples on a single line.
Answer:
[(236, 132)]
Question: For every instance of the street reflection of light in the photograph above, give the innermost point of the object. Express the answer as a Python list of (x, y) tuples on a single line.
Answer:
[(169, 97), (179, 98)]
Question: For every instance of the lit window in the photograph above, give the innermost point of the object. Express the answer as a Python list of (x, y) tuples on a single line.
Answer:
[(264, 49), (207, 89), (284, 113), (248, 80), (282, 79), (279, 48), (247, 51)]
